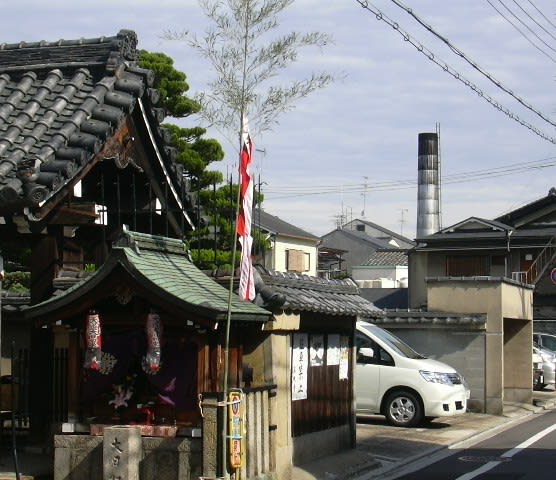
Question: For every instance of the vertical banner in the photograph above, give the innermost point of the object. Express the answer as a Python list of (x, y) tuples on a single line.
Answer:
[(246, 283), (317, 350), (344, 357), (236, 427), (333, 352), (300, 365)]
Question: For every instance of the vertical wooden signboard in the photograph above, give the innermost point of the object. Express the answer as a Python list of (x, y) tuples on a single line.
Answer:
[(236, 427)]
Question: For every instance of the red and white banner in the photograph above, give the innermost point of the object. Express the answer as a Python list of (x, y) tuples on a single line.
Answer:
[(93, 341), (153, 329), (246, 283)]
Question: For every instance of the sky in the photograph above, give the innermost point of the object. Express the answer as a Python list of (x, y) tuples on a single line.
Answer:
[(350, 150)]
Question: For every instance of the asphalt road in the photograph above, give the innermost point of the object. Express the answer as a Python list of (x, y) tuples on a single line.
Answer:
[(525, 451)]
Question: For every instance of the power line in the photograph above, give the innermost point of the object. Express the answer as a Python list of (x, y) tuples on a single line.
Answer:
[(541, 14), (520, 31), (462, 177), (431, 56), (533, 20)]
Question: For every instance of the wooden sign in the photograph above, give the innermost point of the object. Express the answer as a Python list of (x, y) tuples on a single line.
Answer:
[(236, 427)]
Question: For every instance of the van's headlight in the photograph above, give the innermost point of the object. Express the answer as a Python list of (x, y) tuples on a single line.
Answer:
[(437, 377)]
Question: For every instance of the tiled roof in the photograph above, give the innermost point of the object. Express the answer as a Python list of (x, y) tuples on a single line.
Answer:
[(59, 103), (303, 293), (388, 258), (162, 265), (273, 224), (416, 317), (384, 234), (361, 237), (13, 302)]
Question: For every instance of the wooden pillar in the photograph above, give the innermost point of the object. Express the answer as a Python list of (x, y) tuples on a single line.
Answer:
[(40, 384)]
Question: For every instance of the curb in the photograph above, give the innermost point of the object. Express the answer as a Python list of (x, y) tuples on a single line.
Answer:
[(391, 470)]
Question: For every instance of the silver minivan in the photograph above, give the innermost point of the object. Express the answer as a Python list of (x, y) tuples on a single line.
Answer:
[(393, 380)]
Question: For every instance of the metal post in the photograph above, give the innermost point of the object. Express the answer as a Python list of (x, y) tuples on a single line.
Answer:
[(14, 445), (1, 278)]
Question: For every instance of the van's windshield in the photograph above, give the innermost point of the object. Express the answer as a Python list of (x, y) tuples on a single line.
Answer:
[(394, 342)]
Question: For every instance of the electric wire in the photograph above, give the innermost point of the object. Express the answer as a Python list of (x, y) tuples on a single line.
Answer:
[(380, 16), (520, 31), (533, 20), (462, 177), (541, 14)]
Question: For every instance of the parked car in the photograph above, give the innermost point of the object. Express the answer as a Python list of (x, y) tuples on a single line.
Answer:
[(545, 340), (548, 367), (538, 375), (393, 380)]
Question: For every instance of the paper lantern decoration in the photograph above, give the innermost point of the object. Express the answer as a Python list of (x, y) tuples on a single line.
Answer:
[(153, 329), (93, 340)]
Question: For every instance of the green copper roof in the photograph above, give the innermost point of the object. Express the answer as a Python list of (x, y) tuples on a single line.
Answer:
[(163, 266)]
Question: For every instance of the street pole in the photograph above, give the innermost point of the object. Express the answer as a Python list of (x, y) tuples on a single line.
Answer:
[(1, 279)]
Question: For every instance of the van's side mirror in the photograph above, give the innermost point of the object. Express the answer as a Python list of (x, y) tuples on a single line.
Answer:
[(366, 353)]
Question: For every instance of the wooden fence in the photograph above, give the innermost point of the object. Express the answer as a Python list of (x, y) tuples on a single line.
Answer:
[(258, 455)]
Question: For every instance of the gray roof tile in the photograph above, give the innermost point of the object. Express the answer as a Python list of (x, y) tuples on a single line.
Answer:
[(59, 103), (273, 224), (303, 293), (388, 258)]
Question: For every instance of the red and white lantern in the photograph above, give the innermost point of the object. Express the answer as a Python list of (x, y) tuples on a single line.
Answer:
[(93, 341), (153, 330)]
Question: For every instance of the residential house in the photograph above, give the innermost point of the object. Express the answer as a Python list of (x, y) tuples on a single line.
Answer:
[(360, 239), (474, 290), (291, 248), (383, 280)]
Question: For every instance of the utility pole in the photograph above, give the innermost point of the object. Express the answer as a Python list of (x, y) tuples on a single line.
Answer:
[(402, 219), (257, 204), (364, 196)]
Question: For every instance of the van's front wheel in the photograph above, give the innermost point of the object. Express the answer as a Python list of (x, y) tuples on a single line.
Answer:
[(403, 409)]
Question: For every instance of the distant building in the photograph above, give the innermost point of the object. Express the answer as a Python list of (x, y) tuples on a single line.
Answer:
[(360, 239), (291, 248)]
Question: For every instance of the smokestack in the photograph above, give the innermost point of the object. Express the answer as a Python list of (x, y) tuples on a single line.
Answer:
[(428, 205)]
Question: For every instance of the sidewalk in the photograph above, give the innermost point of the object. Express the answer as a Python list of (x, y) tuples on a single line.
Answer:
[(382, 449)]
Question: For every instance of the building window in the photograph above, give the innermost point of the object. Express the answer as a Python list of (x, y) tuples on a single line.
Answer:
[(467, 265), (360, 227), (297, 261)]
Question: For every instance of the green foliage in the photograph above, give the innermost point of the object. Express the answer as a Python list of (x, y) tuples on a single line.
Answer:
[(205, 259), (19, 282), (170, 83), (195, 153)]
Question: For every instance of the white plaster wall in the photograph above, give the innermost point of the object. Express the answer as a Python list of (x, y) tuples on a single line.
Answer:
[(281, 244), (364, 272)]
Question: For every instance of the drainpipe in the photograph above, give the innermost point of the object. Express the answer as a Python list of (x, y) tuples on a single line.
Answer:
[(507, 263)]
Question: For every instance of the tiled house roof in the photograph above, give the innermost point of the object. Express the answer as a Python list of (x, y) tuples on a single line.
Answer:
[(60, 105), (388, 258), (162, 267), (291, 292), (275, 225)]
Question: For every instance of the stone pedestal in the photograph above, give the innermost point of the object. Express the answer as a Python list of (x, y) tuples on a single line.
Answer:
[(121, 453)]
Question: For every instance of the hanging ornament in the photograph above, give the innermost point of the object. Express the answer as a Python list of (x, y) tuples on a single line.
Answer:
[(93, 341), (153, 328)]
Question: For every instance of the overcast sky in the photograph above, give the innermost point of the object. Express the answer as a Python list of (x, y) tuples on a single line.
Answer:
[(351, 149)]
